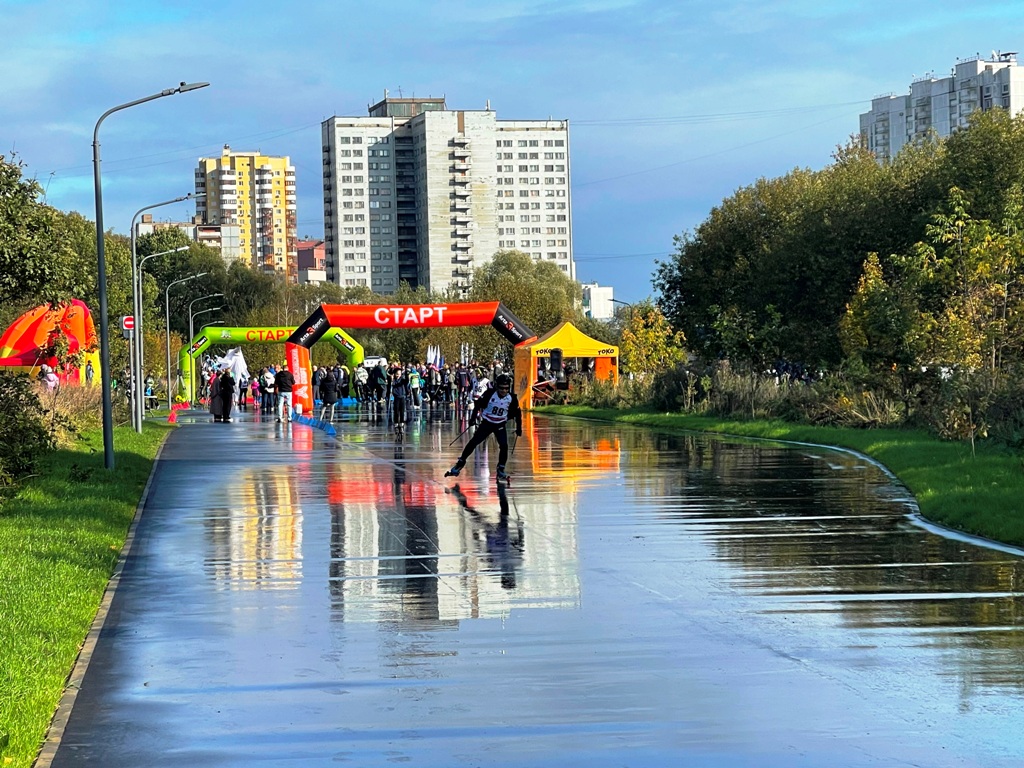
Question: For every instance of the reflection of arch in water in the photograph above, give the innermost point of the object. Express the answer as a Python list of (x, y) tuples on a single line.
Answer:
[(382, 513), (255, 538), (384, 542)]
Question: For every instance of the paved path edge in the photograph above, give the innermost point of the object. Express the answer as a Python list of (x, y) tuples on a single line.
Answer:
[(55, 732)]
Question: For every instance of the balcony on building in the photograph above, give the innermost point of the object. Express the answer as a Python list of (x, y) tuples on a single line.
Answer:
[(458, 167), (461, 141), (461, 153)]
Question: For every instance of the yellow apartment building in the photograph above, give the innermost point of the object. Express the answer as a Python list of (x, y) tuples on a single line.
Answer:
[(256, 193)]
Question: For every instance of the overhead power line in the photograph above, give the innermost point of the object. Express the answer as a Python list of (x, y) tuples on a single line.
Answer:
[(711, 118)]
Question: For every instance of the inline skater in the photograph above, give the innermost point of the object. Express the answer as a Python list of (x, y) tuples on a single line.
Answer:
[(491, 412)]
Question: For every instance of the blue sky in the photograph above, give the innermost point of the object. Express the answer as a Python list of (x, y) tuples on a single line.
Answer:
[(672, 105)]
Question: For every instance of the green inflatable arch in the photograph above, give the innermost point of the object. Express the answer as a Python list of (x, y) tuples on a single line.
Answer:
[(216, 334)]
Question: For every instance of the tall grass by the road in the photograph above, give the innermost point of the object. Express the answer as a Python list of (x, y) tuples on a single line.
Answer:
[(60, 536), (981, 494)]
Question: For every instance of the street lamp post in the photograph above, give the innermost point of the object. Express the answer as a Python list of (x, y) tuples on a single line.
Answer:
[(194, 315), (101, 268), (141, 262), (192, 333), (192, 380), (625, 303), (138, 413), (167, 325), (191, 314)]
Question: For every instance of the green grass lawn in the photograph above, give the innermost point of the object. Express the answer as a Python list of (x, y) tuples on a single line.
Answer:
[(981, 494), (60, 537)]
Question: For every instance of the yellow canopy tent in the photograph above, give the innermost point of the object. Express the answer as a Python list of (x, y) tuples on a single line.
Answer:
[(578, 350)]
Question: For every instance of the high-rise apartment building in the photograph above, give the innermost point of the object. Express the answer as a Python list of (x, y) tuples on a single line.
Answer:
[(598, 301), (220, 237), (256, 193), (942, 104), (419, 193)]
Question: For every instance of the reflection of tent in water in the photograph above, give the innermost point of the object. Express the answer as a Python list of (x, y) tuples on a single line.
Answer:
[(26, 344), (571, 456), (579, 352)]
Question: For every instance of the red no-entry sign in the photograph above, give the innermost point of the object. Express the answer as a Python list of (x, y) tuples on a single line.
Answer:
[(128, 323)]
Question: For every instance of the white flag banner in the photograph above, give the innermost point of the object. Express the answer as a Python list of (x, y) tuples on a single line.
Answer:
[(234, 361)]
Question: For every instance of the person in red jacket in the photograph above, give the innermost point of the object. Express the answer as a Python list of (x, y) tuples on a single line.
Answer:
[(491, 412)]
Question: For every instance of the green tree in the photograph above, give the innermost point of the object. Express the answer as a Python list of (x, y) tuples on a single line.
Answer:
[(649, 344), (975, 268), (750, 341), (884, 333), (36, 256), (537, 292), (986, 161)]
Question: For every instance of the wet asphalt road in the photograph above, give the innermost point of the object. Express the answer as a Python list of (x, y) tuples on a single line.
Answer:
[(634, 599)]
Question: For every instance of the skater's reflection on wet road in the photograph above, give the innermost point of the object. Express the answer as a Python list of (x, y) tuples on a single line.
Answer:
[(503, 546)]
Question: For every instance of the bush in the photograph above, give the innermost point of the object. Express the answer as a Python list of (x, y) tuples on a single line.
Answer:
[(628, 393), (736, 395), (1005, 413), (24, 433), (70, 409), (681, 388), (835, 402)]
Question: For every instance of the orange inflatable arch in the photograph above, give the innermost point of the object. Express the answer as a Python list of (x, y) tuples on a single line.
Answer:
[(24, 345)]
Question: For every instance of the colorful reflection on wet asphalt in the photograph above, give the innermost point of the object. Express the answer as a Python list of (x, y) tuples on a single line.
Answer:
[(633, 599)]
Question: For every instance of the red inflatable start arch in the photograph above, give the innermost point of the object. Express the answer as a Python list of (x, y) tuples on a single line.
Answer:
[(382, 316)]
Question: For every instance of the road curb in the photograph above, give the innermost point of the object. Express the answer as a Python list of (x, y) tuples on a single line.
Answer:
[(55, 732)]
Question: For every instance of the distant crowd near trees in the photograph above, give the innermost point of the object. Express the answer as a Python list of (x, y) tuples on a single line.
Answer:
[(865, 293)]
